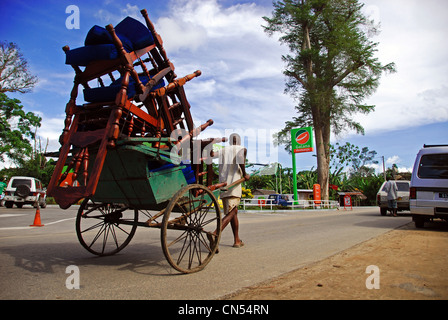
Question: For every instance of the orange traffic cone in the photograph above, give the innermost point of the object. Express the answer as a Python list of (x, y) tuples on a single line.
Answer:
[(37, 222)]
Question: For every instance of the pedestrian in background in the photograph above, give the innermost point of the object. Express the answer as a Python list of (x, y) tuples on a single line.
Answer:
[(392, 195)]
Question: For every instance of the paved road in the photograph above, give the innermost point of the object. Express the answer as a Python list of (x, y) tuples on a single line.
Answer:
[(34, 261)]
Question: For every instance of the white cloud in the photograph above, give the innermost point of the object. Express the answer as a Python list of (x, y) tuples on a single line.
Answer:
[(55, 83), (393, 160), (242, 83), (51, 129), (178, 35), (220, 22), (132, 11), (114, 12), (105, 15), (398, 162), (412, 35), (230, 47), (405, 169), (378, 167)]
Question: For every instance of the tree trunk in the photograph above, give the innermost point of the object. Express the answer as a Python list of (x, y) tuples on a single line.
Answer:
[(322, 160), (322, 131)]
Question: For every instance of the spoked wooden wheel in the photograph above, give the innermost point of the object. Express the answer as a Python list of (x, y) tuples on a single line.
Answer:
[(105, 228), (191, 228)]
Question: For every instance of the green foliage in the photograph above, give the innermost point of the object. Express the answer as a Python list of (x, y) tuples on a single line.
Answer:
[(306, 179), (368, 184), (37, 167), (259, 182), (349, 172), (16, 128), (350, 155)]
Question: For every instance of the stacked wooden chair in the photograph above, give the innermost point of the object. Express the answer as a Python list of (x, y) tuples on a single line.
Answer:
[(131, 92)]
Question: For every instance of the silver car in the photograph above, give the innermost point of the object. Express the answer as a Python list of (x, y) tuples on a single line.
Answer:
[(403, 196)]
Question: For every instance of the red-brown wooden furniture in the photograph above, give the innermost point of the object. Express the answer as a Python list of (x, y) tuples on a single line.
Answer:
[(117, 149)]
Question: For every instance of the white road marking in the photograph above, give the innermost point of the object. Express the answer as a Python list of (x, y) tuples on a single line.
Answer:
[(44, 223), (7, 215)]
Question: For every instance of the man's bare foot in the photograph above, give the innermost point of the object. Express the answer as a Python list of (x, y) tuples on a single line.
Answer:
[(238, 244)]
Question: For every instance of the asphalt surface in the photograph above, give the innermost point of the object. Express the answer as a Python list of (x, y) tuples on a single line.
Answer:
[(37, 262)]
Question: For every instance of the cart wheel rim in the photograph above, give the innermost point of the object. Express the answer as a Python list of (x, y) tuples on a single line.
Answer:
[(191, 228), (104, 228)]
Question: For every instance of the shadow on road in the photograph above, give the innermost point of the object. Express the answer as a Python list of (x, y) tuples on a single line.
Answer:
[(47, 258)]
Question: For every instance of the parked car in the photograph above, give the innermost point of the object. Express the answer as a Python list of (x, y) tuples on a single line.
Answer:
[(25, 190), (280, 199), (429, 185), (402, 200)]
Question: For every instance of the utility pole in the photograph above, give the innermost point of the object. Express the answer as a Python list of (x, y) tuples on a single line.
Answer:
[(384, 169)]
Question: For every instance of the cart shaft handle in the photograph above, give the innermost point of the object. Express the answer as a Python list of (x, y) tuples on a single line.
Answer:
[(233, 184)]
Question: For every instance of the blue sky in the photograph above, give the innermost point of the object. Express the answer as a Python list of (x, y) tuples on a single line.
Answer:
[(241, 87)]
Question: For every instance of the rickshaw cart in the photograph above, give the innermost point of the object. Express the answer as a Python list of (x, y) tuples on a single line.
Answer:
[(118, 155)]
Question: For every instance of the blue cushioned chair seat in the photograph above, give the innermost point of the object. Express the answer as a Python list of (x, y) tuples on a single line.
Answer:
[(105, 94), (99, 35), (187, 171), (136, 32), (84, 55), (189, 174), (99, 44)]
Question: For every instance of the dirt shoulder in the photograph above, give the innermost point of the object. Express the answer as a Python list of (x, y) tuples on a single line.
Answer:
[(412, 264)]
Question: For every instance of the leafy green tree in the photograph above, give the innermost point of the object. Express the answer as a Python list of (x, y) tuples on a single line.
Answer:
[(14, 71), (369, 186), (350, 155), (37, 167), (16, 128), (306, 179), (287, 180), (260, 182), (331, 68)]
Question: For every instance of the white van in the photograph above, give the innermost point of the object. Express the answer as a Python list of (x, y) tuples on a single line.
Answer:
[(429, 185)]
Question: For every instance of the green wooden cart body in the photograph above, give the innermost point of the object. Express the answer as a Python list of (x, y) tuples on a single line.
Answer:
[(132, 175)]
